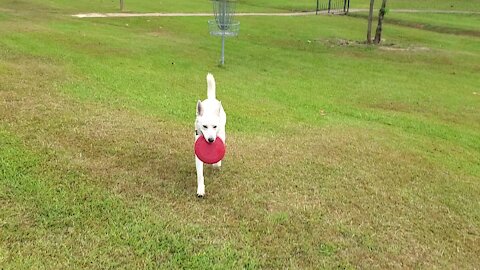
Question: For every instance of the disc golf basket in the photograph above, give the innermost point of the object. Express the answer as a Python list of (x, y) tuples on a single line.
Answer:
[(224, 24)]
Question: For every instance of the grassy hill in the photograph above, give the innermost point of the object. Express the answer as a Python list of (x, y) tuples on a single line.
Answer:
[(340, 155)]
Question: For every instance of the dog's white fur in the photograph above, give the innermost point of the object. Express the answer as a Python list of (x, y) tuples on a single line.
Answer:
[(210, 122)]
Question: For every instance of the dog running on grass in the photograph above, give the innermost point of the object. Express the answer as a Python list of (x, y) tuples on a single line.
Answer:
[(210, 122)]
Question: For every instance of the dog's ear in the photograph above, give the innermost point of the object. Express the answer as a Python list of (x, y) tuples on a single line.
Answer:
[(199, 108), (219, 107)]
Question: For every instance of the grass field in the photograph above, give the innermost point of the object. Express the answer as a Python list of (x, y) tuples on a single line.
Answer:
[(339, 156), (61, 7)]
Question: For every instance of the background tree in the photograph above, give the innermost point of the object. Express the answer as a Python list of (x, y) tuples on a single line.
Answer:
[(121, 5), (381, 14), (370, 18)]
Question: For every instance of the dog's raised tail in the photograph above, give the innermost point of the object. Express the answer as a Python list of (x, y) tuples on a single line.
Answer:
[(211, 86)]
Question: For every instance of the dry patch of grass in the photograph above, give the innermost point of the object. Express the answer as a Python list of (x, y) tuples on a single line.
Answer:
[(382, 46)]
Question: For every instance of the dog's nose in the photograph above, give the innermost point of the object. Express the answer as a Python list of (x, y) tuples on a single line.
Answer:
[(210, 140)]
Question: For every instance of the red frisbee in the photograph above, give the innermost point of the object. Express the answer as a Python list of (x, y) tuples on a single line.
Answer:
[(209, 153)]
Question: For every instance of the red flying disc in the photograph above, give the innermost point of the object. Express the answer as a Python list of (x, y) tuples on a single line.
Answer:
[(209, 153)]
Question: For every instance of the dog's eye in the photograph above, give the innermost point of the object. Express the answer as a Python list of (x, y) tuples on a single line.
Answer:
[(204, 126), (214, 126)]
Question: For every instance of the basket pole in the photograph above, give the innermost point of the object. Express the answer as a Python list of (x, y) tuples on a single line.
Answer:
[(222, 59), (224, 12)]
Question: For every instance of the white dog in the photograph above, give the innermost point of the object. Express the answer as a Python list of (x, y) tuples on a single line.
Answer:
[(210, 122)]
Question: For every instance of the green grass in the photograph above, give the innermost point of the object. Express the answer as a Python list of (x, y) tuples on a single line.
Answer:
[(473, 5), (456, 24), (338, 156), (59, 6), (449, 23)]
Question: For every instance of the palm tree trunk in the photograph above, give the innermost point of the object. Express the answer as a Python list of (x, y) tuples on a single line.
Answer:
[(381, 14), (370, 18)]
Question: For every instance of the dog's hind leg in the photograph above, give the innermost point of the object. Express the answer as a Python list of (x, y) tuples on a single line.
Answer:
[(200, 179), (217, 165), (222, 136)]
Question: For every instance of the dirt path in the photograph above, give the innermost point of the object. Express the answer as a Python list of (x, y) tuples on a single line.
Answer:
[(160, 14), (156, 14)]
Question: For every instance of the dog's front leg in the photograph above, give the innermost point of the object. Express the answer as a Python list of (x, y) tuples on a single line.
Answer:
[(200, 180)]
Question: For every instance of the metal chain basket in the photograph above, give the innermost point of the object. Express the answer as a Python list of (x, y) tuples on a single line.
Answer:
[(230, 31), (224, 24)]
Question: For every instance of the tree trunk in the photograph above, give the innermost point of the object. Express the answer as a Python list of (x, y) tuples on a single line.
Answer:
[(370, 18), (121, 5), (381, 14)]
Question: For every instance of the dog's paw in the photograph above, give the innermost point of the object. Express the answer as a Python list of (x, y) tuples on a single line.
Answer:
[(201, 191)]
